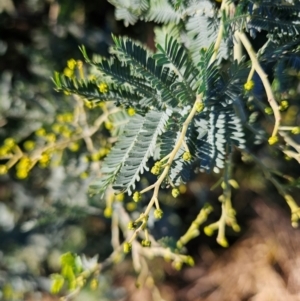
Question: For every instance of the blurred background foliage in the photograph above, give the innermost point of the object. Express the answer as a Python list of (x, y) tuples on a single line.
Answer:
[(49, 212)]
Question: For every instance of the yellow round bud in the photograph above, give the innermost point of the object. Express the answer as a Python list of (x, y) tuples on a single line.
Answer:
[(137, 196), (131, 111), (223, 242), (187, 156), (175, 192), (199, 107), (155, 170), (284, 104), (146, 243), (132, 226), (29, 145), (249, 85), (273, 140), (158, 213), (74, 146), (22, 174), (9, 142), (40, 132), (71, 63), (103, 88), (269, 110), (68, 72), (295, 130), (108, 212), (108, 125), (127, 247), (208, 231)]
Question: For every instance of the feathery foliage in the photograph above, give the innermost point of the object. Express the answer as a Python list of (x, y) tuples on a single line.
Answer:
[(195, 97)]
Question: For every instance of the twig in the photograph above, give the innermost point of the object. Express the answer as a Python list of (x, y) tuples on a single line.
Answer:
[(264, 78)]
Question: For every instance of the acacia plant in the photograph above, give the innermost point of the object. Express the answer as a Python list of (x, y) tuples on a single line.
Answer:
[(217, 84)]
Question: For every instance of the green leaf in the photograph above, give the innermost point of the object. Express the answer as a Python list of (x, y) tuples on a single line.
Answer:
[(161, 11), (114, 161), (141, 150), (129, 11), (202, 29), (141, 61), (176, 56)]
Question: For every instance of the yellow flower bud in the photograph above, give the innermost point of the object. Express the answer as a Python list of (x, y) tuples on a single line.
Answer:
[(249, 85), (199, 106), (284, 104), (29, 145), (146, 243), (22, 174), (137, 196), (68, 72), (108, 125), (269, 110), (89, 104), (208, 231), (107, 212), (175, 192), (45, 158), (127, 247), (4, 150), (40, 132), (295, 130), (120, 197), (103, 88), (9, 142), (187, 156), (74, 146), (132, 226), (158, 213), (273, 140), (71, 63), (131, 111), (50, 137)]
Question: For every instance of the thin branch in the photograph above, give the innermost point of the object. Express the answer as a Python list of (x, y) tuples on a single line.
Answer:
[(264, 78)]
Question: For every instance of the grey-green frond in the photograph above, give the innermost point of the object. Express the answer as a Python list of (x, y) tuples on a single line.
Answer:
[(202, 30), (171, 29), (128, 158), (129, 10), (162, 11), (114, 161), (175, 56), (144, 65), (142, 149)]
